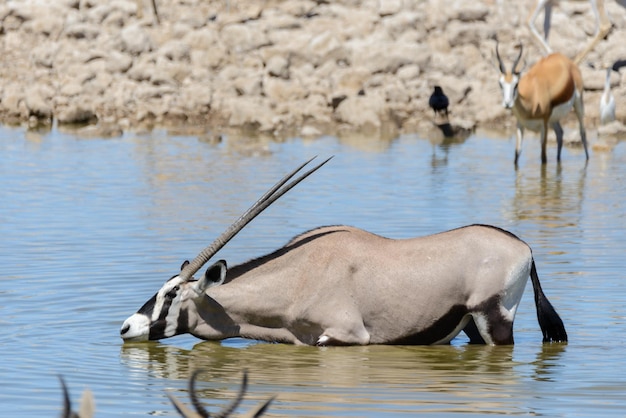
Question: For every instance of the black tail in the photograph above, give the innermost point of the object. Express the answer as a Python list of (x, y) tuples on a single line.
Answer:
[(550, 322)]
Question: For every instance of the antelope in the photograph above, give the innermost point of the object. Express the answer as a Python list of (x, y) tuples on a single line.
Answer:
[(201, 412), (542, 97), (87, 404), (340, 285)]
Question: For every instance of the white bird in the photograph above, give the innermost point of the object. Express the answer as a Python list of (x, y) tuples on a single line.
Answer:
[(607, 102)]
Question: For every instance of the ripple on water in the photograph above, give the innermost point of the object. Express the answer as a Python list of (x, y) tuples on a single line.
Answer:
[(91, 229)]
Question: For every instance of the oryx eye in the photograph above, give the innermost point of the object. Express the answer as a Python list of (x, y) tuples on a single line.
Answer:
[(172, 292)]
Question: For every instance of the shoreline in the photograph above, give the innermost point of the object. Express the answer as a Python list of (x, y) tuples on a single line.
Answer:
[(277, 68)]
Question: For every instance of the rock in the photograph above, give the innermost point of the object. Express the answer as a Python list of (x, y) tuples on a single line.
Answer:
[(83, 30), (309, 131), (389, 7), (37, 101), (386, 56), (327, 47), (279, 66), (471, 12), (349, 80), (242, 38), (280, 90), (13, 101), (175, 50), (135, 40), (614, 129), (363, 113), (44, 55), (249, 113), (118, 62), (76, 112), (101, 130)]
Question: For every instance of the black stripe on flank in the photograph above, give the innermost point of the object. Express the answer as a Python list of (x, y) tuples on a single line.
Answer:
[(500, 329), (439, 330)]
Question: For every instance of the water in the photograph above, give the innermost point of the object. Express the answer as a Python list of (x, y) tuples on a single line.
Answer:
[(92, 227)]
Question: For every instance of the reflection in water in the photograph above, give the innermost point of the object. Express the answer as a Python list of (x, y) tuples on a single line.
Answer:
[(551, 199), (443, 145), (548, 198), (311, 379), (548, 359)]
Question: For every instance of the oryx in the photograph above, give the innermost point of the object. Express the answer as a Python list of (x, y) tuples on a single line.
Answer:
[(339, 285)]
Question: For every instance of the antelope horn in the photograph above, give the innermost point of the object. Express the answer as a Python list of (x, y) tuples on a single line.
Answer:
[(259, 206), (67, 403), (201, 412), (181, 408), (500, 63), (229, 409), (513, 69), (194, 398), (261, 410)]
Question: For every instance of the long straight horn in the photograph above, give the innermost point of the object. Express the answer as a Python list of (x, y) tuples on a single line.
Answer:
[(514, 69), (259, 206), (500, 63)]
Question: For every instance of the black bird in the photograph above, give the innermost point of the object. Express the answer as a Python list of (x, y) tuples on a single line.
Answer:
[(439, 102)]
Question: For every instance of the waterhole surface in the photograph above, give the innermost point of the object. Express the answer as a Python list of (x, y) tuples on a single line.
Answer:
[(91, 228)]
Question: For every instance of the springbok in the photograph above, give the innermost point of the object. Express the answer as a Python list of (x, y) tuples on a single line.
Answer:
[(542, 97), (201, 412), (339, 285)]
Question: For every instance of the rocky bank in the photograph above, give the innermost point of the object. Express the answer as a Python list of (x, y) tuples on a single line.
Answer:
[(292, 67)]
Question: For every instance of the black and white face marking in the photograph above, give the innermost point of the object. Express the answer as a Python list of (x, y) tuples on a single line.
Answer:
[(160, 317), (508, 84), (165, 315)]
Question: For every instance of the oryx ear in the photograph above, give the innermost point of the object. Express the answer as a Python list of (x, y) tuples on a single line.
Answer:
[(214, 276), (182, 266)]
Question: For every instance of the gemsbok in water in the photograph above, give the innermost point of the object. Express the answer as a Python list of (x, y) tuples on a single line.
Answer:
[(339, 285), (543, 96)]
